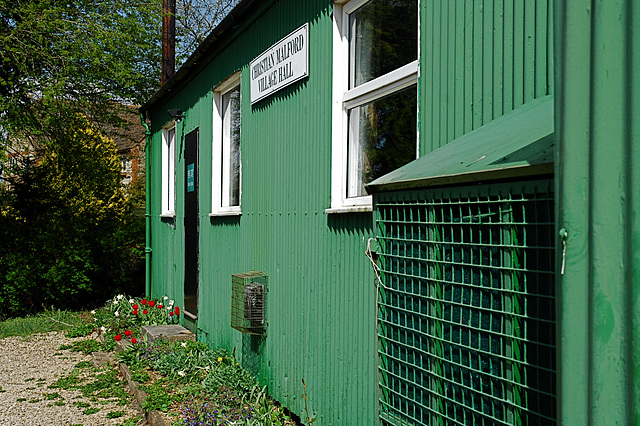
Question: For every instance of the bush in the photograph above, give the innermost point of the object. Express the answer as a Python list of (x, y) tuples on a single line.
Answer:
[(68, 232)]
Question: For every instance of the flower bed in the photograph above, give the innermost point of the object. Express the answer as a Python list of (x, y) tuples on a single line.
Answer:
[(188, 380)]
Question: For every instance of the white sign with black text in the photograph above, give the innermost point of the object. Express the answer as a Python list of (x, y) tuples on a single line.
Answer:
[(282, 64)]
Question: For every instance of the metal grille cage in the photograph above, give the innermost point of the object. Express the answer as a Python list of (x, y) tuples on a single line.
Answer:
[(248, 302), (466, 308)]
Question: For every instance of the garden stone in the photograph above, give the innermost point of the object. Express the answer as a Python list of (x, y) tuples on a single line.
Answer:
[(172, 333), (102, 358)]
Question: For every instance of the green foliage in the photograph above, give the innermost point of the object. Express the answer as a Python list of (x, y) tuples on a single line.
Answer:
[(45, 322), (84, 364), (85, 346), (131, 422), (68, 233), (115, 414), (228, 371), (305, 397), (81, 330), (67, 236), (81, 51), (209, 385), (104, 384), (139, 376), (158, 397)]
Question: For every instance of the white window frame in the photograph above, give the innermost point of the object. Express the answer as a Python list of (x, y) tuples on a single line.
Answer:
[(169, 170), (220, 159), (345, 99)]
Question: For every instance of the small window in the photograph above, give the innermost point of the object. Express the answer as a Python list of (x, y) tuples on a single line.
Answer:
[(227, 166), (375, 76), (168, 170)]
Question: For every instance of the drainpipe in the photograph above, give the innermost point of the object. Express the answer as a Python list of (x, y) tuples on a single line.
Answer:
[(147, 210)]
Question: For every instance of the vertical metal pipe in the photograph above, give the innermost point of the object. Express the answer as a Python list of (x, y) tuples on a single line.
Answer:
[(168, 39), (147, 209)]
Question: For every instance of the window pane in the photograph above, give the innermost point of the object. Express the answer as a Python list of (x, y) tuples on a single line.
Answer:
[(169, 171), (231, 148), (382, 137), (384, 37)]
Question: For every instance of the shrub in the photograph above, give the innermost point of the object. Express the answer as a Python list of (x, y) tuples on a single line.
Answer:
[(67, 231)]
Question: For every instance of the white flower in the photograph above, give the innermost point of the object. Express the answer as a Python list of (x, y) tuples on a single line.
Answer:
[(183, 344), (116, 313), (119, 297), (131, 301), (170, 302), (181, 373), (103, 329), (93, 312), (115, 302), (166, 297)]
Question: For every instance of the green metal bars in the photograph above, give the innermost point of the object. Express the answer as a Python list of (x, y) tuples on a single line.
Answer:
[(466, 309)]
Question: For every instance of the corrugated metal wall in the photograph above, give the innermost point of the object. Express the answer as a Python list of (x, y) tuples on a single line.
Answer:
[(479, 60), (321, 300), (598, 111)]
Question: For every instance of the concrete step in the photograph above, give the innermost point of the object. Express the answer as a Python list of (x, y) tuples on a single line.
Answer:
[(172, 333)]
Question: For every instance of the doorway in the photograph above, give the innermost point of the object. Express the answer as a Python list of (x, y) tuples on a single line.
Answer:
[(191, 227)]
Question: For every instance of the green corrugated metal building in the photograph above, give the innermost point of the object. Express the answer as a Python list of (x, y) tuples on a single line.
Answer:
[(484, 154)]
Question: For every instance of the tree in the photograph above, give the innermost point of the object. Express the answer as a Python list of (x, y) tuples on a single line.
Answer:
[(67, 235), (78, 54), (64, 226), (195, 19)]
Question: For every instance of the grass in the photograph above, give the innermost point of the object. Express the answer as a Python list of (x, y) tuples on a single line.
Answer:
[(44, 322)]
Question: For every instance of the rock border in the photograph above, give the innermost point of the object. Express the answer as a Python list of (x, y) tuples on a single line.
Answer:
[(172, 333), (152, 417)]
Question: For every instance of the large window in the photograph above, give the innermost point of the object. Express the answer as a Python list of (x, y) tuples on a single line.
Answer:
[(168, 170), (227, 166), (374, 90)]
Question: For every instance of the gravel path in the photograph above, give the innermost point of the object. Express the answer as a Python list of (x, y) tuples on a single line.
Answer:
[(27, 367)]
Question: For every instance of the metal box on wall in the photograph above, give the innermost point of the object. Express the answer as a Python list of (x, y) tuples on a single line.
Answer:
[(248, 302)]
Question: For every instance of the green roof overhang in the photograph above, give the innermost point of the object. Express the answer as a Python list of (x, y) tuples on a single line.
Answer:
[(518, 144)]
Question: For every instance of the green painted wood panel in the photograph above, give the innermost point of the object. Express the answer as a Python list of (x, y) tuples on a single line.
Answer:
[(598, 105), (478, 61)]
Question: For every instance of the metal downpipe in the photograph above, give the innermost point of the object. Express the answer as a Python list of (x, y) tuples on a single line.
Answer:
[(147, 210)]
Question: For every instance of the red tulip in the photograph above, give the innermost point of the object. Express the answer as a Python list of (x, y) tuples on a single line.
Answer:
[(159, 306), (144, 311), (170, 313), (135, 312), (177, 311), (151, 303), (135, 307), (118, 337), (127, 333), (134, 341), (143, 302)]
